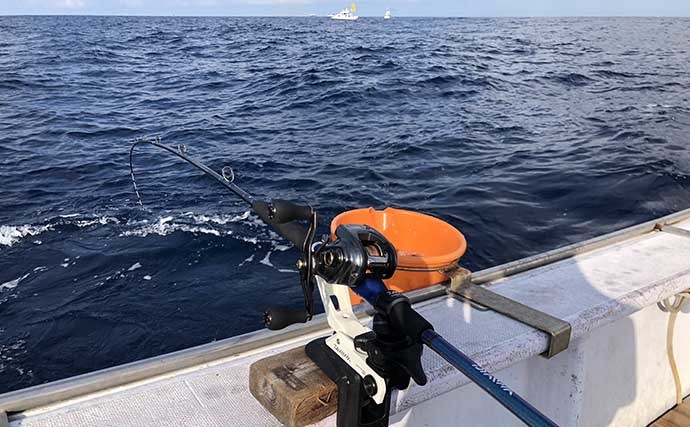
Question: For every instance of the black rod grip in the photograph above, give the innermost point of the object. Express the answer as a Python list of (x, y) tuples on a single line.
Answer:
[(276, 318), (294, 232), (285, 211)]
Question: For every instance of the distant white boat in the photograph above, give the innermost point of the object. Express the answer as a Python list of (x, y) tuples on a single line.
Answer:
[(387, 15), (346, 14)]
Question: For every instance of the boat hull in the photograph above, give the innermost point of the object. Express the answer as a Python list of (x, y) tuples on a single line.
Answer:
[(617, 376), (614, 373)]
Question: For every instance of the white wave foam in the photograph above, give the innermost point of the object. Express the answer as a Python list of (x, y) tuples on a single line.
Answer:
[(13, 283), (166, 225), (267, 260), (101, 221), (188, 222), (11, 234), (9, 357), (218, 219), (192, 223), (250, 258), (134, 267), (253, 240)]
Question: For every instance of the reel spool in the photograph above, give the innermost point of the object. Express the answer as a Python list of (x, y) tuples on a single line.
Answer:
[(356, 250)]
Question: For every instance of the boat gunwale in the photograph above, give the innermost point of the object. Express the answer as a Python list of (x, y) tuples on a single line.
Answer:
[(146, 369)]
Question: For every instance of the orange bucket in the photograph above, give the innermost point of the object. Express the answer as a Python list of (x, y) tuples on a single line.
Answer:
[(425, 244)]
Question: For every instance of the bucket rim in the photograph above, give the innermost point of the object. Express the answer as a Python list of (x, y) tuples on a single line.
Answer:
[(414, 263)]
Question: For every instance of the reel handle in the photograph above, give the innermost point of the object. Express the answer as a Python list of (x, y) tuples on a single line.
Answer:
[(286, 211), (276, 318)]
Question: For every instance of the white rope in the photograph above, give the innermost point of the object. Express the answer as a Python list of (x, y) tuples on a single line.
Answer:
[(674, 308)]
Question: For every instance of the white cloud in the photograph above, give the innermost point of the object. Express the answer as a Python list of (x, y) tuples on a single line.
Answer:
[(70, 4), (52, 4), (212, 3), (132, 3)]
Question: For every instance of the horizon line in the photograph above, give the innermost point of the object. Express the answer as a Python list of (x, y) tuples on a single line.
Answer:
[(144, 15)]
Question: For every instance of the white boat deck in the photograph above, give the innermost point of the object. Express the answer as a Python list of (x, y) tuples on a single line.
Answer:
[(588, 290)]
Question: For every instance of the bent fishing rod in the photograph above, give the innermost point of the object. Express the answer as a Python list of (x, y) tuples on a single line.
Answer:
[(366, 364)]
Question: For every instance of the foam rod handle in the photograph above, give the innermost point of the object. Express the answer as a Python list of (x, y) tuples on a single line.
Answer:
[(280, 317), (285, 211), (292, 231)]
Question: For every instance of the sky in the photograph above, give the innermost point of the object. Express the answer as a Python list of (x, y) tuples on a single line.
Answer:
[(365, 7)]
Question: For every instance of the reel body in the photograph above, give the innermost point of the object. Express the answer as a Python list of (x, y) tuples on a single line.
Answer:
[(357, 251)]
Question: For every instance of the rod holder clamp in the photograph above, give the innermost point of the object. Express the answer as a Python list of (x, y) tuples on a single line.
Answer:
[(559, 330)]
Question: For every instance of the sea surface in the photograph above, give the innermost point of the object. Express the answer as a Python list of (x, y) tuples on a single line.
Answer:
[(526, 134)]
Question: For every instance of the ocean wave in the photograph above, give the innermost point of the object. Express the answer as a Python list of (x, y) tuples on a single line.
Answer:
[(11, 234), (570, 79), (13, 283), (10, 356), (215, 225), (615, 74), (165, 226), (219, 219)]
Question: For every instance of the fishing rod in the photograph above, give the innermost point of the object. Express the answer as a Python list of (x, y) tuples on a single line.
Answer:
[(366, 364)]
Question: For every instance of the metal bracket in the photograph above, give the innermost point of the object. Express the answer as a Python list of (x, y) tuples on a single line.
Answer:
[(559, 330), (673, 230), (346, 327)]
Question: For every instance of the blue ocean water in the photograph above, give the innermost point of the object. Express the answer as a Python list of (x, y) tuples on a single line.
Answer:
[(526, 134)]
